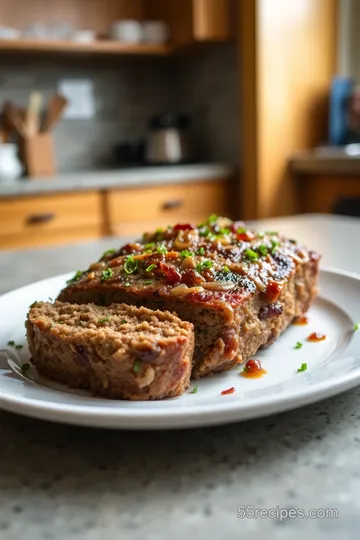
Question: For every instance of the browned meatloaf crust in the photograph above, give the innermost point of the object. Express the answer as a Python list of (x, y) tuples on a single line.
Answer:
[(119, 351), (239, 288)]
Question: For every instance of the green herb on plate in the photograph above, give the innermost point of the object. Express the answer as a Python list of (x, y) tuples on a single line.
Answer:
[(302, 368)]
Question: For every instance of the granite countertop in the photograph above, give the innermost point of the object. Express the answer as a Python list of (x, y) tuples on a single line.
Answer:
[(120, 178), (60, 482)]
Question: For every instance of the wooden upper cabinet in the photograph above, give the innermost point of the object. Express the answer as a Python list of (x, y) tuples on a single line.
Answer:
[(211, 20), (194, 20)]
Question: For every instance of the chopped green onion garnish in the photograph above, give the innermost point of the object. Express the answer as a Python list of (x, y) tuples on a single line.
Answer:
[(18, 347), (159, 231), (204, 265), (204, 232), (241, 230), (274, 245), (104, 320), (250, 254), (109, 252), (106, 274), (137, 366), (130, 265), (186, 253), (201, 251), (150, 245), (224, 230), (161, 249), (150, 268), (226, 269), (356, 327), (11, 343), (123, 321), (77, 276), (50, 299), (33, 304), (303, 367), (271, 233), (262, 249), (194, 390), (148, 282), (25, 367), (298, 345), (261, 234), (212, 218)]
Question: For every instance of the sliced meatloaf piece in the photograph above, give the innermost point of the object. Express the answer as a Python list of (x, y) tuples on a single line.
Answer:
[(120, 351), (238, 287)]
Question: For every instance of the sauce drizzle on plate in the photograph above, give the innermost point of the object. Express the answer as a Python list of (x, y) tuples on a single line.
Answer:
[(253, 370), (316, 336), (303, 319)]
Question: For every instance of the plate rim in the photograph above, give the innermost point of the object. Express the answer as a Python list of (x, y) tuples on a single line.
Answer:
[(203, 415)]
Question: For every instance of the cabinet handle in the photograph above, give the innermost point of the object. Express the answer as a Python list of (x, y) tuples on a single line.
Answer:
[(44, 217), (175, 203)]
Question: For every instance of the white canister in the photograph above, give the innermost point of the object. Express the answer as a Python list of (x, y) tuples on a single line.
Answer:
[(128, 31), (10, 165), (155, 32)]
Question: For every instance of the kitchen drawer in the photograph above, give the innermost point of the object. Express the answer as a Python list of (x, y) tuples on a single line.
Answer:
[(30, 221), (133, 210)]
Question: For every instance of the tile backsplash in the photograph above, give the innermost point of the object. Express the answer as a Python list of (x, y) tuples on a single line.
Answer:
[(127, 92)]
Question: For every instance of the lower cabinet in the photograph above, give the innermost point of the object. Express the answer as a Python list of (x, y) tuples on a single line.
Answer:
[(132, 211), (46, 220), (41, 220)]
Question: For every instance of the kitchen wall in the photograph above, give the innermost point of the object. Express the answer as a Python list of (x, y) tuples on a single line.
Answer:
[(208, 91), (348, 42), (127, 92)]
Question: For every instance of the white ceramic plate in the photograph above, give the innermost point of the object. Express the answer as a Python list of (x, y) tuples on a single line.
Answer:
[(333, 366)]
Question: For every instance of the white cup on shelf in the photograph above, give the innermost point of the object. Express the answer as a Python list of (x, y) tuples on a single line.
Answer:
[(127, 31), (155, 32)]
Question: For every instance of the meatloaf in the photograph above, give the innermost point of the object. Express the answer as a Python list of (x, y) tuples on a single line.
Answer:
[(119, 351), (238, 287)]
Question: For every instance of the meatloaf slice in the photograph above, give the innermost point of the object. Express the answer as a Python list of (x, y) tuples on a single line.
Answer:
[(240, 288), (120, 351)]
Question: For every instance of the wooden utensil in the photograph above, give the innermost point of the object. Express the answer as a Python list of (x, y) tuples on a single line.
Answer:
[(33, 113), (56, 107), (15, 117), (7, 127)]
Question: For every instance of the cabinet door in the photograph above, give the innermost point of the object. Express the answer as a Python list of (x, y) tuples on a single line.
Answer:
[(133, 211), (211, 20), (46, 220), (194, 20)]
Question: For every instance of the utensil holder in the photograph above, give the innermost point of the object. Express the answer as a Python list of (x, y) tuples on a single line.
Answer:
[(38, 154)]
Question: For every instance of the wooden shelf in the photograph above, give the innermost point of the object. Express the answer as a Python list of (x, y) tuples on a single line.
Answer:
[(96, 47)]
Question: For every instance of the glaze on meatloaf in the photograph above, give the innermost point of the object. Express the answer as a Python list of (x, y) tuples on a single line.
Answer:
[(120, 351), (238, 287)]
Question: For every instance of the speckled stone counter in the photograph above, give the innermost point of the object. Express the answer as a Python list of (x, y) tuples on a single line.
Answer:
[(59, 482), (121, 178)]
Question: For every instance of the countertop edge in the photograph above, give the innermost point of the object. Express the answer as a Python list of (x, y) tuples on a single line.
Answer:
[(119, 179)]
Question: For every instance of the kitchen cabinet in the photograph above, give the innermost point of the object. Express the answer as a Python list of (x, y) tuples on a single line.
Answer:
[(41, 220), (194, 21), (189, 21), (45, 220), (135, 211), (321, 193)]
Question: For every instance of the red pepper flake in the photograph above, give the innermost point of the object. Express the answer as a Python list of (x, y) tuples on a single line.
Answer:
[(228, 391), (316, 336), (273, 291), (184, 227), (171, 274)]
